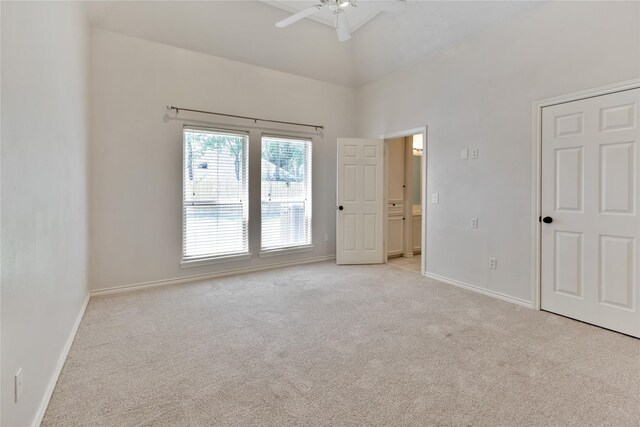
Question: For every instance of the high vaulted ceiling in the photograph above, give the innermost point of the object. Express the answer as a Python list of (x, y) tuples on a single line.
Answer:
[(244, 31)]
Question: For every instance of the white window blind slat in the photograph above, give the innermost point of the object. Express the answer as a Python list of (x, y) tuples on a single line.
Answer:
[(285, 192), (215, 194)]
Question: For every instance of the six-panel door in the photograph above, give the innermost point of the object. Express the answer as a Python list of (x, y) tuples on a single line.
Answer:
[(590, 161), (359, 217)]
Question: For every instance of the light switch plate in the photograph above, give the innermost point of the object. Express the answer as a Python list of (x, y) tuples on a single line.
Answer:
[(464, 154), (435, 198), (474, 153)]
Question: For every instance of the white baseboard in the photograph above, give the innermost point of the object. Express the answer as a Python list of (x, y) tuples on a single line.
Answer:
[(207, 276), (480, 290), (60, 364)]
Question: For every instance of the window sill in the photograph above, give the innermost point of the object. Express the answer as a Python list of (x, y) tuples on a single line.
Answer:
[(214, 260), (286, 251)]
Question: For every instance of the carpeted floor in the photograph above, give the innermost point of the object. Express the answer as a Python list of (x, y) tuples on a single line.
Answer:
[(327, 345)]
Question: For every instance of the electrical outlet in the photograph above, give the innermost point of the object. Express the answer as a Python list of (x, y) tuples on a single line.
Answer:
[(474, 222), (18, 385), (493, 263), (326, 237), (464, 154), (474, 153), (435, 198)]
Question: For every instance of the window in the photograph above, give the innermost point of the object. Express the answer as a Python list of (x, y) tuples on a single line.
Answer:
[(215, 194), (286, 192)]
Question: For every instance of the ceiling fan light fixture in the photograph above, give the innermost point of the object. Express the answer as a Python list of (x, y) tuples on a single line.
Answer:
[(337, 9)]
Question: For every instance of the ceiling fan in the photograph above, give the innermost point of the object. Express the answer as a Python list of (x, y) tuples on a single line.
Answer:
[(337, 10)]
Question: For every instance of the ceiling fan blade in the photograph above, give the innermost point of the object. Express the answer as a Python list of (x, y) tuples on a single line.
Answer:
[(396, 6), (342, 26), (298, 16)]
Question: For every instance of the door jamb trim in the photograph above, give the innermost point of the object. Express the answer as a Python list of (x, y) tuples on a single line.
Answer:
[(536, 176)]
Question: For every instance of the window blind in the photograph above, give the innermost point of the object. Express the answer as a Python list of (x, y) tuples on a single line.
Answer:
[(285, 192), (215, 194)]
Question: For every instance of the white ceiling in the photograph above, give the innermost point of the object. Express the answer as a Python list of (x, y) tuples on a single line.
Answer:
[(244, 31)]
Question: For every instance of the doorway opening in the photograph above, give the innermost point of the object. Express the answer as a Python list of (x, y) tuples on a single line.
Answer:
[(405, 207)]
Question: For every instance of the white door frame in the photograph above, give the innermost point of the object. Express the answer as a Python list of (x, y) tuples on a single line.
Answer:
[(423, 195), (536, 179)]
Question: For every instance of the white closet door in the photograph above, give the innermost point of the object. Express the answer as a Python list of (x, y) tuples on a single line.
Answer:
[(590, 194)]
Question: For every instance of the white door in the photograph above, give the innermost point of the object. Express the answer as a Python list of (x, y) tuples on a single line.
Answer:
[(360, 201), (590, 196)]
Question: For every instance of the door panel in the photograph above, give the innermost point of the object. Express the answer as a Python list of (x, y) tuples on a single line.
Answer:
[(568, 261), (350, 225), (617, 271), (370, 183), (569, 179), (617, 178), (370, 241), (350, 183), (359, 224), (590, 188)]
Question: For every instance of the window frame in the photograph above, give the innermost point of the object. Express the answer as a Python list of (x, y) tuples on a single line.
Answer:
[(195, 261), (305, 247)]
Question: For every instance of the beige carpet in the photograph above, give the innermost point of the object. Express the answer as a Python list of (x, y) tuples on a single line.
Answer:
[(328, 345)]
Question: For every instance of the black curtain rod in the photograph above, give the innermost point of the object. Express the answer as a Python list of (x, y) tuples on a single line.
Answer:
[(255, 119)]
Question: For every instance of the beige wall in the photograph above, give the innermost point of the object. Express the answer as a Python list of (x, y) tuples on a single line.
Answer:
[(44, 195), (480, 95), (136, 156)]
